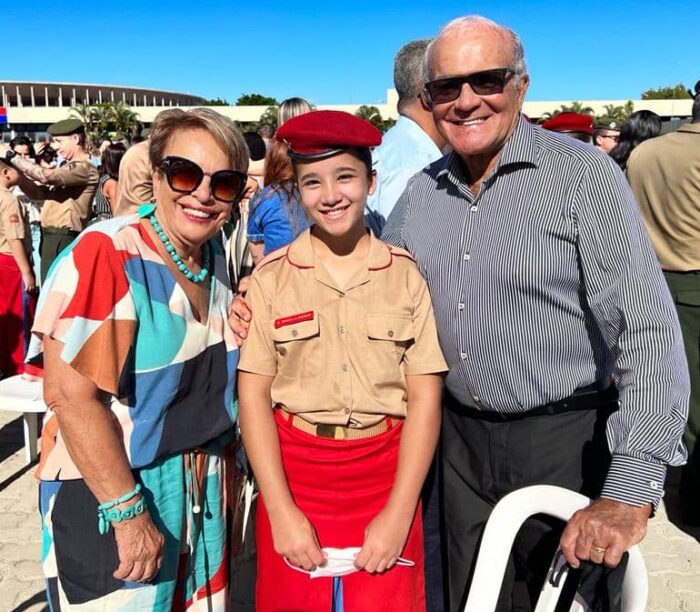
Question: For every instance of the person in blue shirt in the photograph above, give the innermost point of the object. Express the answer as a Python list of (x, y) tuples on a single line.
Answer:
[(276, 214), (411, 144)]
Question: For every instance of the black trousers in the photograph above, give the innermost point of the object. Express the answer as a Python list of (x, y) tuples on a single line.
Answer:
[(52, 243), (485, 459), (685, 290)]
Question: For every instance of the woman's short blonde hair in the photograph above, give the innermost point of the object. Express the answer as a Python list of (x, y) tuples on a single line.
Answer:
[(222, 129)]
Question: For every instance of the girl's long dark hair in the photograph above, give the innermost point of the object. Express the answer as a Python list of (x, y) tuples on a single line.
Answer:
[(111, 158), (640, 126)]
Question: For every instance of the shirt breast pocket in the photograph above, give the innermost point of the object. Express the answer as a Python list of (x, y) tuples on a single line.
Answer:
[(388, 337), (299, 349)]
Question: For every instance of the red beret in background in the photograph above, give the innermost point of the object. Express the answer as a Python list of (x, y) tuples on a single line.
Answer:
[(570, 122)]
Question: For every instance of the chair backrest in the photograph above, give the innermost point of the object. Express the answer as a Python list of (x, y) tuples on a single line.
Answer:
[(503, 525)]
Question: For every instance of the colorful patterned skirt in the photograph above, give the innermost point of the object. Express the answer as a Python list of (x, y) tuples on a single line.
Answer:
[(340, 485), (78, 562)]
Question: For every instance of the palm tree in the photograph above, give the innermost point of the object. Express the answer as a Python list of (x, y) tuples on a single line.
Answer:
[(369, 113), (92, 119), (122, 120), (576, 107)]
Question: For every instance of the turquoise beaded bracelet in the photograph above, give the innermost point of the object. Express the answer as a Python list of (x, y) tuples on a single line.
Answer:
[(107, 513)]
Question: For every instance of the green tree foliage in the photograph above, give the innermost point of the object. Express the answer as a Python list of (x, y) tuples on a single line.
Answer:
[(574, 107), (255, 99), (217, 102), (107, 119), (616, 113), (372, 114), (675, 92)]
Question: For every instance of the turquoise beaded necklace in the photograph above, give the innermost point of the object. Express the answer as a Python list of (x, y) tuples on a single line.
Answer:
[(177, 260)]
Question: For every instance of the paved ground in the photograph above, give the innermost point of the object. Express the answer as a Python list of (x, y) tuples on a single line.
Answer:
[(672, 556)]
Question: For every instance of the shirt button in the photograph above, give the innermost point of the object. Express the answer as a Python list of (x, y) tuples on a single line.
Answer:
[(345, 367), (654, 485), (461, 306), (341, 294), (474, 208), (294, 333), (283, 351), (341, 329), (347, 411), (476, 398), (467, 257), (463, 355), (390, 334)]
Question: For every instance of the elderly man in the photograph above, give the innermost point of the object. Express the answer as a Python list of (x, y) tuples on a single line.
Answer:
[(549, 302), (67, 191), (412, 143), (664, 174)]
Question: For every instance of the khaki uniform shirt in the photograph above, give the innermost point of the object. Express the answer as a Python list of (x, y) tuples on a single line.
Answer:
[(68, 196), (135, 185), (664, 174), (13, 224), (340, 355)]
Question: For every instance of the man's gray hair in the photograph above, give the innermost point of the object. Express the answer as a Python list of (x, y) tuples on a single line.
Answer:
[(409, 71), (470, 22)]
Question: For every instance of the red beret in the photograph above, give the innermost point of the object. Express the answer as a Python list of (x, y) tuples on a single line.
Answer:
[(321, 133), (570, 122)]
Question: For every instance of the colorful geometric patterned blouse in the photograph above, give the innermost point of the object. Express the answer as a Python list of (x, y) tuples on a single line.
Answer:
[(128, 326)]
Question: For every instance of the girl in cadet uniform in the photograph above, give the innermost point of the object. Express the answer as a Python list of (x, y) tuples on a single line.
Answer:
[(343, 346)]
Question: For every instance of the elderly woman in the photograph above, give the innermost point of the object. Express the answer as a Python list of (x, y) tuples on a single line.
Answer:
[(139, 378)]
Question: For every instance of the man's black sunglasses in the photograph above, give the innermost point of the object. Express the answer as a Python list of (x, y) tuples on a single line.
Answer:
[(184, 176), (484, 83)]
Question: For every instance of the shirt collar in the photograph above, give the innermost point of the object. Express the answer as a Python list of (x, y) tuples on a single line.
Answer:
[(690, 127), (301, 253), (409, 126), (519, 150)]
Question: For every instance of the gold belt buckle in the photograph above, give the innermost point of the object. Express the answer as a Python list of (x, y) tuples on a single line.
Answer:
[(330, 431)]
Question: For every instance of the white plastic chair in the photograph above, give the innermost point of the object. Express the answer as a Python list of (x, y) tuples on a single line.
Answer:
[(503, 525), (27, 397)]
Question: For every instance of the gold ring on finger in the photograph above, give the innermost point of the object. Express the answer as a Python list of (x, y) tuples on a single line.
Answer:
[(598, 549)]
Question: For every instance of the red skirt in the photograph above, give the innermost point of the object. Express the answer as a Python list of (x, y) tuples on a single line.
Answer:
[(16, 314), (340, 485)]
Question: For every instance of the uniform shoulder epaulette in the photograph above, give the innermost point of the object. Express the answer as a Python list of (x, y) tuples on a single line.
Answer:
[(274, 256), (399, 252)]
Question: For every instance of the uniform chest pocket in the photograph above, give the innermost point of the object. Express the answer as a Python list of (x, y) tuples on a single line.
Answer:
[(388, 336), (299, 349)]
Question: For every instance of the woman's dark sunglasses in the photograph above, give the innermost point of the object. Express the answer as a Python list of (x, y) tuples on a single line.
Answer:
[(184, 176), (484, 83)]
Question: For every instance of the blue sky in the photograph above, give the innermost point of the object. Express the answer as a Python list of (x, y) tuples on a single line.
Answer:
[(333, 53)]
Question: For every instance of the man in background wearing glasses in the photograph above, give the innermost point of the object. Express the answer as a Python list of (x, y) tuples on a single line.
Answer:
[(549, 302), (606, 134)]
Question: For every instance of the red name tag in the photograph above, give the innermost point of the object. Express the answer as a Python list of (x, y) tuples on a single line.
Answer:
[(297, 318)]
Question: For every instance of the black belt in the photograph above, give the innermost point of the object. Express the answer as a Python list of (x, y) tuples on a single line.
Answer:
[(61, 231), (591, 397), (683, 272)]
